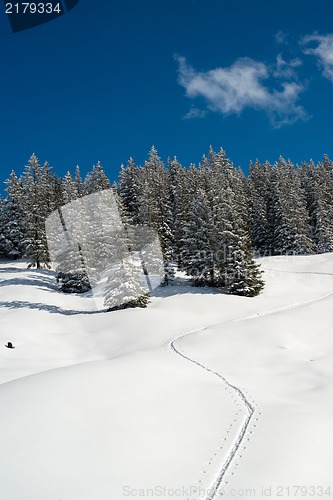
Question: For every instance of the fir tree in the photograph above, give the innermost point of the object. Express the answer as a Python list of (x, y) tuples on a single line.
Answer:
[(129, 190), (124, 288), (63, 233), (259, 189), (322, 206), (71, 271), (182, 189), (155, 207), (96, 180), (197, 254), (12, 220), (70, 189), (78, 183), (36, 200), (217, 244), (291, 221)]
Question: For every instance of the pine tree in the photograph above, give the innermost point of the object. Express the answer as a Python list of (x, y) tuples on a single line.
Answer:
[(37, 202), (70, 189), (96, 180), (2, 223), (124, 288), (64, 243), (198, 252), (78, 183), (71, 271), (49, 184), (259, 189), (238, 271), (242, 274), (217, 244), (291, 221), (59, 195), (182, 188), (12, 220), (322, 206), (130, 191), (155, 207)]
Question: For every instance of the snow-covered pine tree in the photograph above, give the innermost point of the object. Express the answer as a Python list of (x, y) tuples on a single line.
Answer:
[(12, 220), (104, 233), (66, 235), (322, 206), (71, 271), (217, 239), (307, 174), (37, 202), (96, 180), (197, 247), (79, 187), (259, 190), (2, 222), (243, 276), (49, 188), (130, 191), (155, 206), (59, 199), (237, 270), (70, 188), (78, 269), (129, 195), (291, 220), (220, 189), (124, 288), (72, 268), (183, 187)]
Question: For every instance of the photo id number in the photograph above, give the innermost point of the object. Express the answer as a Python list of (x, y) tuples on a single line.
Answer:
[(33, 8)]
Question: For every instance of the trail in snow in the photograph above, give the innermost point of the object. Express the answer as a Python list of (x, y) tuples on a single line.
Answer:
[(249, 407), (298, 272)]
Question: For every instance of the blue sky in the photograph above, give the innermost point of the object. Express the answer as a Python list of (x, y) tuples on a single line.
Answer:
[(111, 78)]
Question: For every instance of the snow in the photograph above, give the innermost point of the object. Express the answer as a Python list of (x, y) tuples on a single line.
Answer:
[(151, 403)]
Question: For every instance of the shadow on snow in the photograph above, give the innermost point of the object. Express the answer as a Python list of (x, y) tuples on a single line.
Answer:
[(24, 304)]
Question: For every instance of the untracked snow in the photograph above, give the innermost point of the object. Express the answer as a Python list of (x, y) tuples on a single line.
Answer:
[(201, 395)]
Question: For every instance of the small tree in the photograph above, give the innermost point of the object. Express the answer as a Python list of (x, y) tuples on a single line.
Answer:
[(243, 276), (71, 272), (124, 288)]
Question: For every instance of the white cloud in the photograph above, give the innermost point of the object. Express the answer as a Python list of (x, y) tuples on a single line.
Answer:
[(286, 69), (322, 48), (195, 113), (281, 38), (230, 90)]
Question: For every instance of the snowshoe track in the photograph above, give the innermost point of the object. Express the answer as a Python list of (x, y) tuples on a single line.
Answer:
[(250, 409)]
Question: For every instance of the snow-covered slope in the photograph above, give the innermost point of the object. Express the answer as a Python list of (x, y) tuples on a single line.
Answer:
[(201, 395)]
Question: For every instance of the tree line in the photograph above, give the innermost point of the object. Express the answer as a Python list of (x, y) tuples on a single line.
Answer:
[(211, 220)]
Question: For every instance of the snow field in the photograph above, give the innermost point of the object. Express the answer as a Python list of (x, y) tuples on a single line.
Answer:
[(97, 405)]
